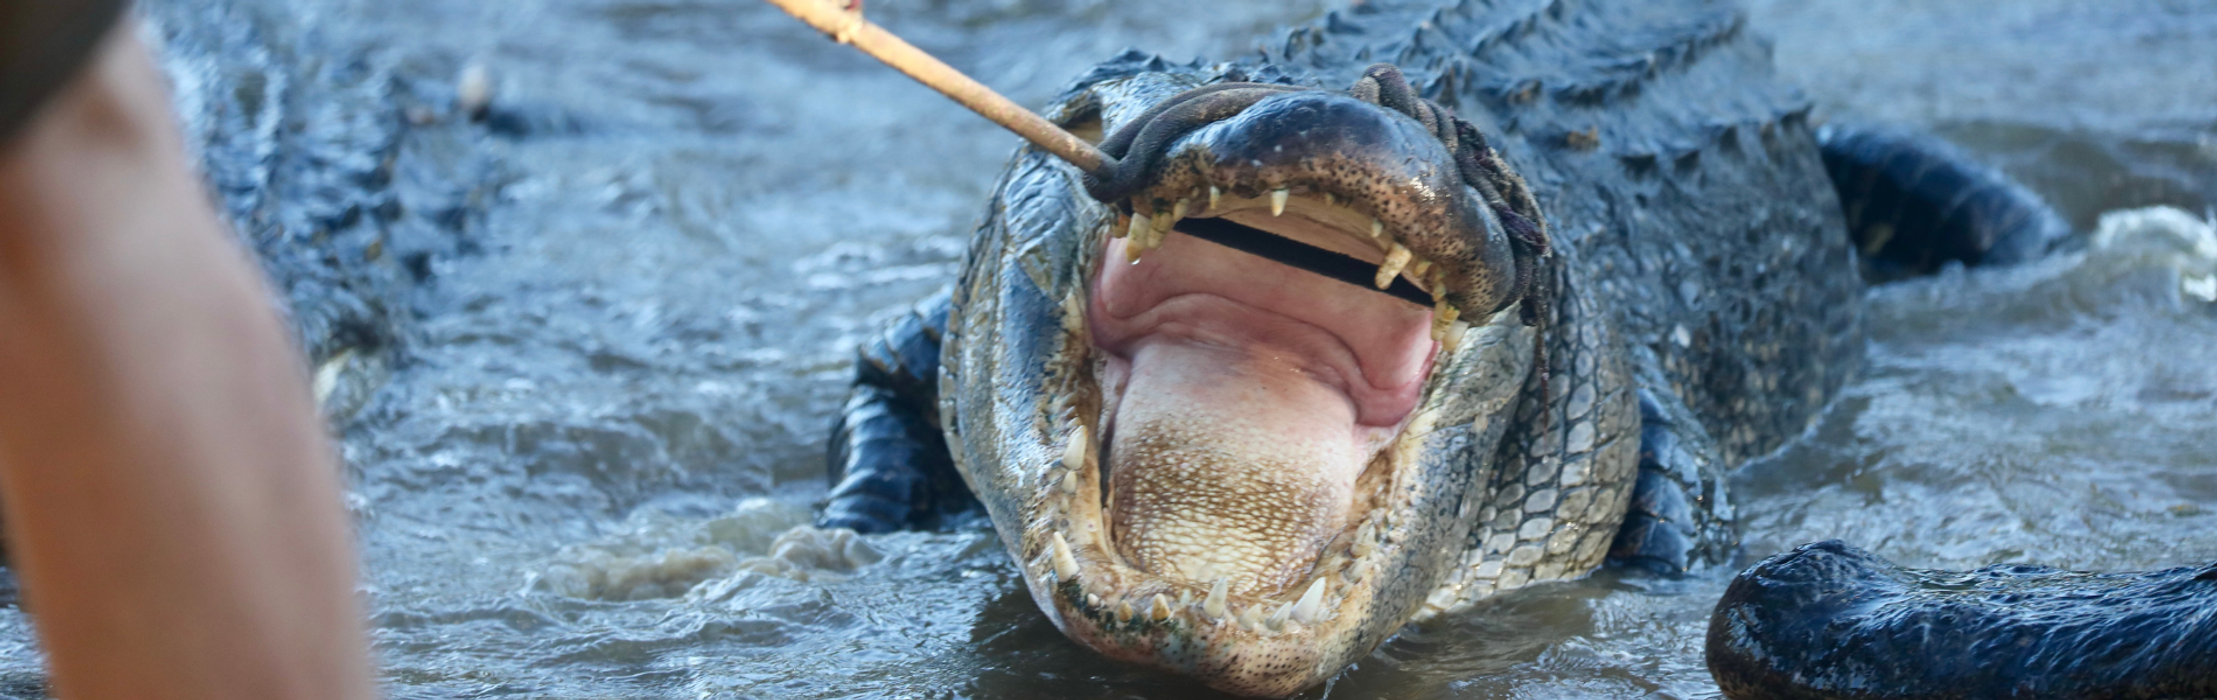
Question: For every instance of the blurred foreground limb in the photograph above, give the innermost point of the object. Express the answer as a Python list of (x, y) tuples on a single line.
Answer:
[(171, 503)]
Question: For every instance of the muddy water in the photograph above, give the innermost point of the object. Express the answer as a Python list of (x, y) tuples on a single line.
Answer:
[(583, 353)]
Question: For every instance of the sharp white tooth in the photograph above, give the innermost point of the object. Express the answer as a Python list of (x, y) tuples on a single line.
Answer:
[(1454, 339), (1311, 604), (1136, 243), (1070, 482), (1215, 195), (1278, 201), (1066, 566), (1251, 618), (1443, 315), (1185, 598), (1177, 211), (1073, 312), (1158, 228), (1352, 573), (1417, 270), (1124, 610), (1093, 601), (1160, 609), (1391, 268), (1214, 605), (1081, 444), (1377, 228), (1277, 620)]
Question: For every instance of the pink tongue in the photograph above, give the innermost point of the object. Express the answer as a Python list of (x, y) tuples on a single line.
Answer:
[(1230, 463)]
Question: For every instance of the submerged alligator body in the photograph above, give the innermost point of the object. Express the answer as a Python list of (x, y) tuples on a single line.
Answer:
[(1616, 266)]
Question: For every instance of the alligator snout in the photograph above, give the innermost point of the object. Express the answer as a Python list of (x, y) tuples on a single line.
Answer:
[(1383, 175)]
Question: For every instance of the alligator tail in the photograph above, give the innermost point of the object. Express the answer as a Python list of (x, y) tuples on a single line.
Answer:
[(1914, 203)]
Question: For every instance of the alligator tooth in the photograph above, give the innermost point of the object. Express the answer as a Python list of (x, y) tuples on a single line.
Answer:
[(1073, 312), (1066, 566), (1365, 541), (1070, 482), (1391, 268), (1093, 601), (1251, 618), (1277, 620), (1330, 200), (1443, 315), (1311, 604), (1278, 201), (1121, 227), (1124, 610), (1418, 269), (1214, 605), (1160, 609), (1454, 339), (1215, 195), (1081, 442), (1161, 223), (1139, 225), (1177, 211), (1377, 228)]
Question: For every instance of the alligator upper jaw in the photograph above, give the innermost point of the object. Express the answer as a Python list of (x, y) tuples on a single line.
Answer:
[(1242, 520)]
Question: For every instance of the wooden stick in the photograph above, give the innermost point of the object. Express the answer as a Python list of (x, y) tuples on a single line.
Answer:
[(848, 27)]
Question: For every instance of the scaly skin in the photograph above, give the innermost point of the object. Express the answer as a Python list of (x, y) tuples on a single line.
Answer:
[(1701, 266)]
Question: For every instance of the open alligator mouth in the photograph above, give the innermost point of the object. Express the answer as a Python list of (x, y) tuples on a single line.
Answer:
[(1262, 408)]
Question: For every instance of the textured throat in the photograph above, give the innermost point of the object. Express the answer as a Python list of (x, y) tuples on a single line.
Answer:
[(1247, 399)]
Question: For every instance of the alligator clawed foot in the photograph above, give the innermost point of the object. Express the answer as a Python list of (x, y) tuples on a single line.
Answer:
[(1664, 531)]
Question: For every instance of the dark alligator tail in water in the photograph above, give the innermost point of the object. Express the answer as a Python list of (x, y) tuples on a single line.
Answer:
[(1831, 621), (1915, 202)]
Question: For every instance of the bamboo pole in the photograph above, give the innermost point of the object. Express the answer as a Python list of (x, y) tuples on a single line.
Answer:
[(848, 27)]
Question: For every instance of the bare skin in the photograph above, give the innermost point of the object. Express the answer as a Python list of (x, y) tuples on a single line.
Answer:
[(171, 502)]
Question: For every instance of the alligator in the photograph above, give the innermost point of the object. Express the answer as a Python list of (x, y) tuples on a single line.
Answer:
[(1421, 305)]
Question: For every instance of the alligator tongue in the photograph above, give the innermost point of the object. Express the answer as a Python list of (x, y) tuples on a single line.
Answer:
[(1231, 463)]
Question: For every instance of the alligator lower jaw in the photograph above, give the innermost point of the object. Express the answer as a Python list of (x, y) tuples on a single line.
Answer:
[(1272, 628)]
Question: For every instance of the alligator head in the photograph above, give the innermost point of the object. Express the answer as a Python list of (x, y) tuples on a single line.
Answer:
[(1211, 461)]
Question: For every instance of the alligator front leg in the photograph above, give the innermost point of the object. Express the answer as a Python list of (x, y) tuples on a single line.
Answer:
[(1679, 517), (888, 463)]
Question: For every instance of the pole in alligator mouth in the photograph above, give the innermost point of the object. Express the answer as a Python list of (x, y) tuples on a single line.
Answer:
[(842, 20)]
